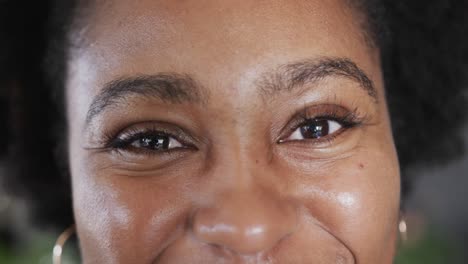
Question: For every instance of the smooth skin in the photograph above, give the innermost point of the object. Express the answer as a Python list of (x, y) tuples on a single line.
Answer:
[(230, 132)]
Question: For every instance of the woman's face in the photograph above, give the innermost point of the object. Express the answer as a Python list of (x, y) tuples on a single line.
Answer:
[(230, 132)]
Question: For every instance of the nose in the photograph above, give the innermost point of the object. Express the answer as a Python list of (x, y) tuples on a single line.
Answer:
[(245, 222)]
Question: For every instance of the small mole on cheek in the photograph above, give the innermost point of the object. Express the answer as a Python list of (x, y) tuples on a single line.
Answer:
[(256, 161), (361, 165)]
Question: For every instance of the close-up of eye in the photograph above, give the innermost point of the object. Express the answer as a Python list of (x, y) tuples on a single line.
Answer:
[(316, 128), (323, 123), (146, 141)]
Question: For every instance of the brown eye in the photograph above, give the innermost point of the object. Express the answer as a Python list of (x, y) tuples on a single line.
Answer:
[(151, 141), (155, 142), (314, 129)]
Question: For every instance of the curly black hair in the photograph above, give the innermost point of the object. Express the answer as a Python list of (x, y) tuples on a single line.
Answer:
[(424, 51)]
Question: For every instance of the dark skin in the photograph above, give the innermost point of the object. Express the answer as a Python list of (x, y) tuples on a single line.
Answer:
[(230, 132)]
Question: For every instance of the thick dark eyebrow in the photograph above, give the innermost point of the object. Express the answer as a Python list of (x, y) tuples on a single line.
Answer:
[(168, 87), (296, 75)]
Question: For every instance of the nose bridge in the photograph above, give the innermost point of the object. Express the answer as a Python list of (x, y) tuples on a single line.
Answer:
[(247, 215), (236, 159)]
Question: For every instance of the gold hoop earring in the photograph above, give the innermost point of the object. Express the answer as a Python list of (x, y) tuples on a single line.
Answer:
[(60, 243), (403, 229)]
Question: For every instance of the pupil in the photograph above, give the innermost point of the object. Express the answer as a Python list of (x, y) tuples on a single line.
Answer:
[(158, 142), (315, 129)]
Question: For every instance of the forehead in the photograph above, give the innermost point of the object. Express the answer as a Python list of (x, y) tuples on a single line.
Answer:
[(181, 28), (215, 41)]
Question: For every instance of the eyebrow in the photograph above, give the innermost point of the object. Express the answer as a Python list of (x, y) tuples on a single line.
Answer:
[(180, 88), (168, 87), (294, 75)]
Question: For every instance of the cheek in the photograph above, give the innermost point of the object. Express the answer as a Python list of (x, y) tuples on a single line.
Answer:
[(357, 199), (369, 201), (97, 215), (113, 213), (376, 210)]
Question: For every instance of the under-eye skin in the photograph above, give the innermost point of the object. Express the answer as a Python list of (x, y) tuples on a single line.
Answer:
[(321, 124)]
